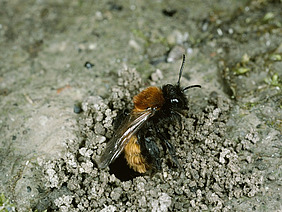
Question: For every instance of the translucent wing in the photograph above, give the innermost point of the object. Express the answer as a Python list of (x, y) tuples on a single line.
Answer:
[(123, 134)]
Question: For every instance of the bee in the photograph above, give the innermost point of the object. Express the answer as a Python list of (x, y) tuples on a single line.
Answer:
[(135, 137)]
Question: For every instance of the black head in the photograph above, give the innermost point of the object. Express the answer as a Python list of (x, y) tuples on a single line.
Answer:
[(175, 98)]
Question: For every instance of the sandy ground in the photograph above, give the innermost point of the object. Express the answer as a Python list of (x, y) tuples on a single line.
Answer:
[(234, 125)]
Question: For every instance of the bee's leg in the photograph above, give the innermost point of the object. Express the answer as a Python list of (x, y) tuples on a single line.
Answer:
[(149, 146), (169, 146), (154, 151), (172, 152), (178, 119)]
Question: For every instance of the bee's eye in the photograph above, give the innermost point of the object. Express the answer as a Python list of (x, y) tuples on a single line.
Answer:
[(176, 103), (174, 100)]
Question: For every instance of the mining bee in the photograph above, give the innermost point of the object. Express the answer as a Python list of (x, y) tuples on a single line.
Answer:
[(136, 135)]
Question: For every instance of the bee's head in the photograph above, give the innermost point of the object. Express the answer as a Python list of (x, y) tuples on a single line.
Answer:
[(174, 95)]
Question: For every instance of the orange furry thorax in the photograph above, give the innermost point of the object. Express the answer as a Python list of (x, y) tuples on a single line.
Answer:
[(151, 97)]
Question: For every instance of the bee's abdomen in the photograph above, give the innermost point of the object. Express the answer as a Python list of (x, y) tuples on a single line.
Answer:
[(135, 159)]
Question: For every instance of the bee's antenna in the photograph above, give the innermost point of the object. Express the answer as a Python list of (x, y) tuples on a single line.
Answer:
[(191, 86), (180, 74), (181, 69)]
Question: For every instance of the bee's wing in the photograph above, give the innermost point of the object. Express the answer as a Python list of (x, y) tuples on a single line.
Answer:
[(123, 134)]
